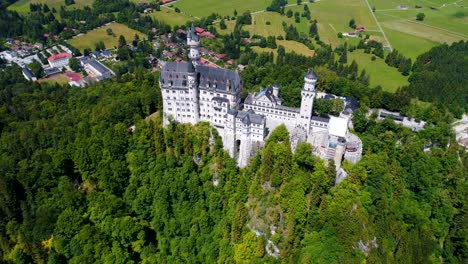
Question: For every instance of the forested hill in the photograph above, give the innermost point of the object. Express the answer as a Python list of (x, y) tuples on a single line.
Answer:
[(440, 75), (77, 186)]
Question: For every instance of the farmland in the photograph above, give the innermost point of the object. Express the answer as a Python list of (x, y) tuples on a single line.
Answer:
[(445, 21), (170, 17), (203, 8), (90, 39), (270, 24), (22, 6), (289, 46)]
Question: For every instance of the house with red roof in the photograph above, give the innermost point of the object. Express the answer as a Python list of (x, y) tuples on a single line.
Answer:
[(59, 60), (360, 28), (199, 30), (221, 56), (206, 34)]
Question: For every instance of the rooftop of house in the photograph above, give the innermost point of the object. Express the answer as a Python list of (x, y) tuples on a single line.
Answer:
[(98, 66), (59, 56)]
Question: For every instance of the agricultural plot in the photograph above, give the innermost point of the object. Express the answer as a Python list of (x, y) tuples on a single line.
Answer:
[(203, 8), (333, 16), (22, 6), (90, 39), (289, 46), (379, 72), (271, 24), (170, 17), (445, 21)]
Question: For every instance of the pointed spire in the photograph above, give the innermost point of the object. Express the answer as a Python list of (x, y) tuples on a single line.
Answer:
[(192, 35)]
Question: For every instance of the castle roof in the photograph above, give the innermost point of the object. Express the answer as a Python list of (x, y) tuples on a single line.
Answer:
[(218, 78), (268, 93), (250, 117), (210, 78), (311, 74)]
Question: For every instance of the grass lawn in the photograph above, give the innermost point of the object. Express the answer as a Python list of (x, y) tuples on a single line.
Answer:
[(380, 73), (259, 24), (170, 17), (449, 23), (333, 16), (59, 79), (289, 46), (203, 8), (90, 39), (22, 6)]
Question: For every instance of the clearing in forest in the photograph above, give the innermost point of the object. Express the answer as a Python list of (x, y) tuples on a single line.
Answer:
[(90, 39), (379, 72)]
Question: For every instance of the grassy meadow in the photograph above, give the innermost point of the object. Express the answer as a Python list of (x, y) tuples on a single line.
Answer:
[(203, 8), (90, 39), (289, 46), (333, 16), (22, 6), (170, 17), (260, 23), (379, 72), (448, 23)]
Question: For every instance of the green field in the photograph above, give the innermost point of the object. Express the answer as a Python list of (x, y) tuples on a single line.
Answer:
[(203, 8), (333, 16), (90, 39), (449, 23), (379, 72), (170, 17), (289, 46), (259, 24), (22, 6), (59, 79)]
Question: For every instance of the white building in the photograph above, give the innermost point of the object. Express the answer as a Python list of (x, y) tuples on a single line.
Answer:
[(97, 70), (59, 60), (193, 93)]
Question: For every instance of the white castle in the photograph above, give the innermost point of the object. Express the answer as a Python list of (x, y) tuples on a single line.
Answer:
[(194, 93)]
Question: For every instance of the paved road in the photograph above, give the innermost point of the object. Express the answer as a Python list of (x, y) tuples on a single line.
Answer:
[(378, 25)]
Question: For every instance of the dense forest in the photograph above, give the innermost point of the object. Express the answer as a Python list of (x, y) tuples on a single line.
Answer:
[(440, 75), (79, 186)]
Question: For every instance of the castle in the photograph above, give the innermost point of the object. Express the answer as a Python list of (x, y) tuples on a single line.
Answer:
[(194, 93)]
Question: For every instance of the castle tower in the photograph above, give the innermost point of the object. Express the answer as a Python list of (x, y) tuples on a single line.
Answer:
[(192, 84), (193, 41), (307, 103), (276, 89)]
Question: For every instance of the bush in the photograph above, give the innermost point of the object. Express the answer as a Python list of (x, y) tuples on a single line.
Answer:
[(420, 16)]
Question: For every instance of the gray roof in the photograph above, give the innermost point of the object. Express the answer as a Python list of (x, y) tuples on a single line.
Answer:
[(98, 66), (250, 117), (176, 72), (208, 77), (320, 119), (268, 92), (28, 73), (221, 79), (311, 74), (192, 34), (52, 71), (220, 99)]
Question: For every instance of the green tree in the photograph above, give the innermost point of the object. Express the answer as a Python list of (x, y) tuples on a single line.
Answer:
[(352, 23), (420, 16), (74, 64)]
